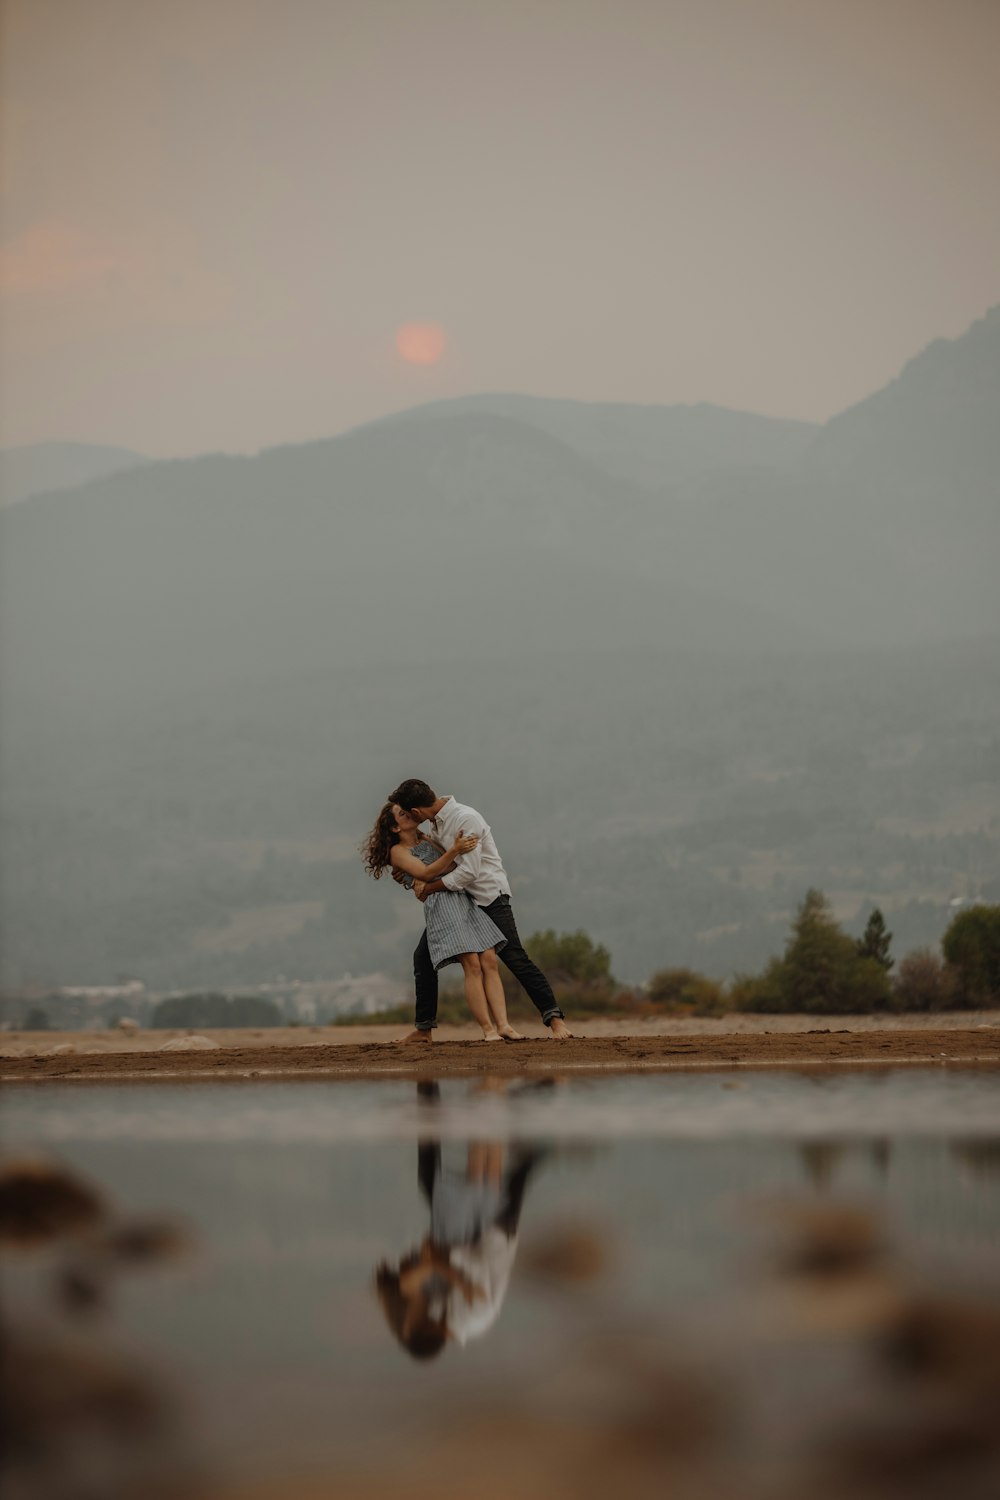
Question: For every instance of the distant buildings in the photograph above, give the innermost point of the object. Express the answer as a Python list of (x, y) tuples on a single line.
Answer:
[(94, 1007)]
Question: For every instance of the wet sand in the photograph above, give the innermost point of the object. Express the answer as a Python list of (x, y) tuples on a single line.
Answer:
[(600, 1046)]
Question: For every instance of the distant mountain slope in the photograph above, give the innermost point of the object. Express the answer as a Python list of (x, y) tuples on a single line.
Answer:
[(886, 527), (916, 474), (653, 446), (942, 408), (883, 526), (36, 468), (452, 536), (445, 539), (929, 440)]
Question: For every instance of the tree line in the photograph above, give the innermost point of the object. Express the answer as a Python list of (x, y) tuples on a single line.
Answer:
[(821, 971)]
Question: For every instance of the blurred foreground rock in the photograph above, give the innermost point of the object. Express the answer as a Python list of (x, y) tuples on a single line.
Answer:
[(83, 1419), (40, 1200)]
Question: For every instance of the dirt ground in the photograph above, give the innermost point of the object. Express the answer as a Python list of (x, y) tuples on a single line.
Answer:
[(598, 1046)]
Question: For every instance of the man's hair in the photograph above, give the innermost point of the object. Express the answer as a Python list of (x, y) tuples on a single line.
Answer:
[(413, 793)]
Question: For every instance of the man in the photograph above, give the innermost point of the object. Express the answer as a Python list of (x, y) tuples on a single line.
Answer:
[(482, 875)]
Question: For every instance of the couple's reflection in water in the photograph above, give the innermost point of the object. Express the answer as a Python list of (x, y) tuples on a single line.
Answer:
[(451, 1289)]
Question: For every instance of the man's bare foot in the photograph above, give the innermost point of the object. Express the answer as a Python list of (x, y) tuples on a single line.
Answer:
[(414, 1036), (509, 1034), (559, 1031)]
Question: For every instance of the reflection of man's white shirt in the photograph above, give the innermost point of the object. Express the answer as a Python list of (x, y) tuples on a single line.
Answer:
[(481, 872), (463, 1215), (487, 1264)]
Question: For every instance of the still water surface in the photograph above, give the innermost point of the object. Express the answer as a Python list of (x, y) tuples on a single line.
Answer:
[(647, 1209)]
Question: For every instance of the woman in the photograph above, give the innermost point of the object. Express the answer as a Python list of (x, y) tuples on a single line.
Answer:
[(458, 931)]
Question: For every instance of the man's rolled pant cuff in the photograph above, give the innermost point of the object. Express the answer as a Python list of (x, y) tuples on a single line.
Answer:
[(426, 1026), (551, 1015)]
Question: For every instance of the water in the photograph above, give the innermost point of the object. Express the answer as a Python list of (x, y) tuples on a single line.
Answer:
[(683, 1106), (663, 1225)]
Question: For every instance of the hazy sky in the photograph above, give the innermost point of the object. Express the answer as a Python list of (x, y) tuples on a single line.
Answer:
[(217, 213)]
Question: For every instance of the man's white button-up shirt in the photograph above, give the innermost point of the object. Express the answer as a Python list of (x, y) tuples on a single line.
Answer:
[(481, 873)]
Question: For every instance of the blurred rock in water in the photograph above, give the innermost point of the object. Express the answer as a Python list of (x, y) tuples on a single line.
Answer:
[(568, 1254), (825, 1239), (40, 1200), (82, 1420)]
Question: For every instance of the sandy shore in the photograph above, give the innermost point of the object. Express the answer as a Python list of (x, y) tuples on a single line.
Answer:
[(599, 1046)]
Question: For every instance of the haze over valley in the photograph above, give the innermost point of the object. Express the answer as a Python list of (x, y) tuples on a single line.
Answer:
[(689, 661)]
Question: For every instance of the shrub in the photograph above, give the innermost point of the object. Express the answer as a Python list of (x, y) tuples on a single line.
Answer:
[(215, 1010), (868, 988), (924, 983), (685, 991), (758, 992), (395, 1015), (570, 957), (578, 969)]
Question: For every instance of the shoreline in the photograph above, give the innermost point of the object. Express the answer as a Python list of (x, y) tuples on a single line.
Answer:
[(457, 1053)]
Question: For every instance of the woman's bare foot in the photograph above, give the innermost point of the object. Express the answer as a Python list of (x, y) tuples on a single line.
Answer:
[(414, 1036), (559, 1031), (509, 1034), (492, 1036)]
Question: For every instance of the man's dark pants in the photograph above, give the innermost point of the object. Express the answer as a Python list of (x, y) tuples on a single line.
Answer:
[(527, 974)]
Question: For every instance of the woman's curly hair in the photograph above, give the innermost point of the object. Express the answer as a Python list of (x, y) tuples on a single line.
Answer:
[(428, 1336), (376, 847)]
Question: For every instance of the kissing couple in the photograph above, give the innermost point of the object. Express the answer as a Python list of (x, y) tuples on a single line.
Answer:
[(445, 852)]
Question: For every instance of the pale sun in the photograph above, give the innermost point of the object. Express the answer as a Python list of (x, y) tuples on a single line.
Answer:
[(420, 343)]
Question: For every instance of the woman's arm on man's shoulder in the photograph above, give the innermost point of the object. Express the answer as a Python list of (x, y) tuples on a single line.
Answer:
[(402, 859)]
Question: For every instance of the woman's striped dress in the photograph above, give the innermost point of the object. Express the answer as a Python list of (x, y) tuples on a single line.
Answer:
[(455, 924)]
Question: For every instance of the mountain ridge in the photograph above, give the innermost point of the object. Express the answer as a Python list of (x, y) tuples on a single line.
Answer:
[(38, 468), (710, 437)]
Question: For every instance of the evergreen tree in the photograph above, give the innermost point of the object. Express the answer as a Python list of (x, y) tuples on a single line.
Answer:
[(818, 960), (874, 942), (821, 970)]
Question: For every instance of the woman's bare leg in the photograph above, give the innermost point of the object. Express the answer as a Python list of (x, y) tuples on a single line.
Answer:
[(494, 1163), (484, 1162), (495, 997), (475, 995)]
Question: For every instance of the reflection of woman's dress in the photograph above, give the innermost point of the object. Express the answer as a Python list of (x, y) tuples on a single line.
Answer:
[(477, 1223), (455, 924)]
